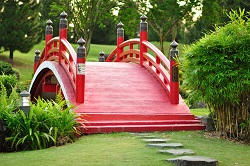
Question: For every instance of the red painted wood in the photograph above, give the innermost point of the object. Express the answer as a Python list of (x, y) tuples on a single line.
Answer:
[(126, 97), (49, 88), (80, 83), (119, 49), (174, 86), (143, 48)]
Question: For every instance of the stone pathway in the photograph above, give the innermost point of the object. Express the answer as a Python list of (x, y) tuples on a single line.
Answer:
[(193, 161), (176, 149)]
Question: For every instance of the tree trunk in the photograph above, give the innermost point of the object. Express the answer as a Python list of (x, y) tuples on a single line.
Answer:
[(161, 43), (11, 55)]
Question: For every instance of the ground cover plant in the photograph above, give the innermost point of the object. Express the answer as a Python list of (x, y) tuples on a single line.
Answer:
[(48, 123), (217, 71)]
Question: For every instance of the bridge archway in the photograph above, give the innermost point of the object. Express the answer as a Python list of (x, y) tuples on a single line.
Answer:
[(50, 77)]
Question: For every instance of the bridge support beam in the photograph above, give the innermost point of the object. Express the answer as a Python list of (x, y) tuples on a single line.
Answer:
[(143, 37), (120, 39), (174, 74), (80, 75)]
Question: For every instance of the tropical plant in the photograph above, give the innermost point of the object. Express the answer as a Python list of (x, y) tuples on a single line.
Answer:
[(47, 123), (8, 81), (217, 71)]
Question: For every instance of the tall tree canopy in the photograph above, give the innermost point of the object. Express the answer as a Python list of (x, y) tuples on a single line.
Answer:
[(19, 25), (164, 16)]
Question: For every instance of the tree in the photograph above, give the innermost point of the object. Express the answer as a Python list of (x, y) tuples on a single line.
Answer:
[(214, 12), (19, 25), (165, 16), (84, 15), (128, 14), (87, 14)]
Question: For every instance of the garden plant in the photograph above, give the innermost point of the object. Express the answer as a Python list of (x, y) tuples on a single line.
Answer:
[(217, 70)]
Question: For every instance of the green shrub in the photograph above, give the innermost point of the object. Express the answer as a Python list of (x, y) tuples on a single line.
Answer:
[(48, 123), (8, 81), (6, 68), (217, 71)]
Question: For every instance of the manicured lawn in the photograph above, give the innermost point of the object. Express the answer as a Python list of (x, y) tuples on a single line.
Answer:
[(200, 111), (123, 149)]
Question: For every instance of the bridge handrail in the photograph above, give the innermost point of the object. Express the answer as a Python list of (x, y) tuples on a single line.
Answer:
[(166, 71), (158, 54), (130, 42)]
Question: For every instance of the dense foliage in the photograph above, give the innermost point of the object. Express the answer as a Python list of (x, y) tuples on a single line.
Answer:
[(217, 70), (19, 25), (48, 123), (8, 81)]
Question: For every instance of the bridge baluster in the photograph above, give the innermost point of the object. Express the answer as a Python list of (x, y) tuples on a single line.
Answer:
[(120, 39), (143, 37), (174, 74), (131, 46), (80, 75), (36, 60), (158, 61), (63, 33)]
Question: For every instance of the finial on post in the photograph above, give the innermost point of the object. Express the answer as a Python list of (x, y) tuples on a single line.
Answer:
[(81, 50), (174, 74), (174, 51), (49, 28), (36, 60), (63, 20), (143, 18), (37, 55), (143, 23), (80, 68), (102, 57), (120, 30), (120, 25)]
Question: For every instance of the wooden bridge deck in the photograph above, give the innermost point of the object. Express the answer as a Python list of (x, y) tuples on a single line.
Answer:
[(126, 97)]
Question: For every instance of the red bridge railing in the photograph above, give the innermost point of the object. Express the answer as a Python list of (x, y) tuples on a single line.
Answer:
[(58, 49), (146, 54)]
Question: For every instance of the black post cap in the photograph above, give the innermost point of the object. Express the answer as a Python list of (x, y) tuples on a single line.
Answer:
[(49, 22), (101, 53), (120, 25), (49, 28), (63, 15), (63, 20), (81, 42), (174, 44), (143, 18), (37, 52), (81, 50)]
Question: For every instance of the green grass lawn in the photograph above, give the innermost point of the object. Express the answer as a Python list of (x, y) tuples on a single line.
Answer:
[(200, 111), (124, 149)]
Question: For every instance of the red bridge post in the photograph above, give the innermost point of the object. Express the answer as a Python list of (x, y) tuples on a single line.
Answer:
[(36, 60), (63, 32), (48, 35), (174, 74), (143, 37), (80, 75), (120, 39)]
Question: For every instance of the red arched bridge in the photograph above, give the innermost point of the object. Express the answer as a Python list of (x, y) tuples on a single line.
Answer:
[(136, 89)]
